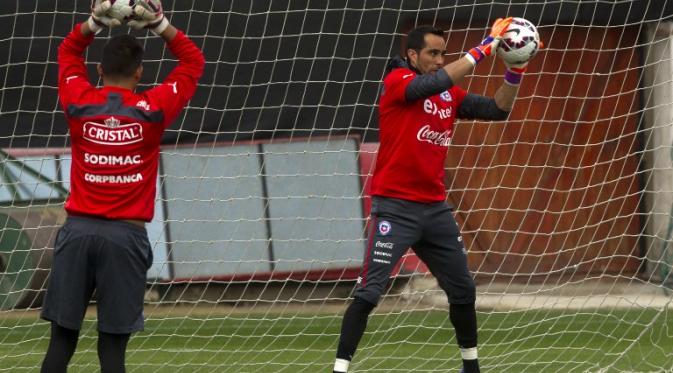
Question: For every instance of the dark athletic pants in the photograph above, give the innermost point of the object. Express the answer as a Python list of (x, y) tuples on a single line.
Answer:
[(431, 230), (109, 256)]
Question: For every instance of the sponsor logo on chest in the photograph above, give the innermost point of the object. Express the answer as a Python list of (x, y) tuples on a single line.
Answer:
[(112, 133), (427, 134), (432, 108)]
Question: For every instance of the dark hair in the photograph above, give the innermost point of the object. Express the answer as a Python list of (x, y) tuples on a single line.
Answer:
[(416, 37), (122, 55)]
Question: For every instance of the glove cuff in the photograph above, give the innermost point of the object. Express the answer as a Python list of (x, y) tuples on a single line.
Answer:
[(474, 55), (94, 25), (513, 78), (159, 27)]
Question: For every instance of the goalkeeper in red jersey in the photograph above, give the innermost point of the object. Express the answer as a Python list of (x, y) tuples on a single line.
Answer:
[(418, 105), (115, 135)]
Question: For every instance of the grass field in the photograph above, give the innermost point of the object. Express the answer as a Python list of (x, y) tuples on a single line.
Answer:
[(415, 341)]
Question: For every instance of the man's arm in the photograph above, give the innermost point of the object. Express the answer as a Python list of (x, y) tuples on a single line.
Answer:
[(71, 53), (505, 95), (431, 84), (457, 70), (496, 108), (481, 107), (180, 84), (169, 33), (427, 85), (86, 30), (72, 73)]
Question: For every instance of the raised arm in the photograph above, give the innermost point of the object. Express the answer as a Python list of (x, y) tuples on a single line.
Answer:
[(180, 84), (73, 77), (427, 85), (498, 107), (71, 55)]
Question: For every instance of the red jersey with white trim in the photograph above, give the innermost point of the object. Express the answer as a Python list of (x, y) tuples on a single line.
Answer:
[(414, 137), (116, 133)]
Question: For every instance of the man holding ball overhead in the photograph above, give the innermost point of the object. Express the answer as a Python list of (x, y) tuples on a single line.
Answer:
[(115, 135), (419, 102)]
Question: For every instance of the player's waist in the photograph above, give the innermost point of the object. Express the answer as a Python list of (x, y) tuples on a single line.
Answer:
[(134, 214), (410, 194), (131, 223)]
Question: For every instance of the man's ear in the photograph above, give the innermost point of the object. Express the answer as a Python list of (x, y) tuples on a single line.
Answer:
[(412, 55)]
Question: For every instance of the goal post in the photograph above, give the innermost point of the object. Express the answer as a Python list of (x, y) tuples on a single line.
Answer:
[(263, 196)]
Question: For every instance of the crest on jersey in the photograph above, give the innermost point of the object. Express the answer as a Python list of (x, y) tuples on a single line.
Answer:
[(112, 122), (384, 227), (446, 96)]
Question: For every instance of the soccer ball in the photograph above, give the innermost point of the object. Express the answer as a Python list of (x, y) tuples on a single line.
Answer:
[(519, 43), (121, 10)]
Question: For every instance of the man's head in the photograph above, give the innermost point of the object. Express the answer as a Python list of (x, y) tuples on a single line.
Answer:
[(426, 48), (121, 64)]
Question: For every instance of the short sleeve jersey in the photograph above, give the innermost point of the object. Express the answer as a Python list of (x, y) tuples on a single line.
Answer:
[(116, 133), (414, 137)]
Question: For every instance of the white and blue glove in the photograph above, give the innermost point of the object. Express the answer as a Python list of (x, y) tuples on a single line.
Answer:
[(149, 14), (101, 16)]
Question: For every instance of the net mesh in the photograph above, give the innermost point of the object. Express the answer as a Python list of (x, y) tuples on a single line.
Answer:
[(260, 225)]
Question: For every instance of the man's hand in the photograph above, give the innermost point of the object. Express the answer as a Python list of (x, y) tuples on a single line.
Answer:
[(99, 16), (149, 14), (489, 45), (517, 68), (514, 72)]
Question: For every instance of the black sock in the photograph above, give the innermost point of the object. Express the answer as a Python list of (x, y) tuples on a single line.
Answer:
[(471, 366), (353, 327), (62, 346), (464, 320), (112, 351)]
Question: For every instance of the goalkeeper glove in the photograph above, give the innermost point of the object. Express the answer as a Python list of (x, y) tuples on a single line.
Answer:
[(514, 72), (100, 18), (149, 14), (490, 44)]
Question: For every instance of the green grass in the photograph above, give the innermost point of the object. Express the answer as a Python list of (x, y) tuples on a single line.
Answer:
[(419, 341)]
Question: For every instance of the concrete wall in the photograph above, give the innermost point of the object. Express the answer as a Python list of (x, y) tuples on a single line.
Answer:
[(658, 146), (258, 210)]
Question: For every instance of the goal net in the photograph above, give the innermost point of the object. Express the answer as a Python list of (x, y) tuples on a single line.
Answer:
[(566, 208)]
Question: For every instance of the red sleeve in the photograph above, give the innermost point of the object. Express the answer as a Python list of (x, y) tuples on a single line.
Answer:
[(72, 75), (395, 84), (458, 94), (179, 86)]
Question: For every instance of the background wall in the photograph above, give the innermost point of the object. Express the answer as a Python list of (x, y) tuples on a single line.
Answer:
[(274, 68), (555, 191)]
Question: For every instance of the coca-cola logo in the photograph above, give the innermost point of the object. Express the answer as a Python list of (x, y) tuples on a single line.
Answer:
[(426, 134)]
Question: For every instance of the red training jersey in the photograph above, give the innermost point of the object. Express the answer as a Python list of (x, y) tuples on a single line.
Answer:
[(115, 133), (414, 137)]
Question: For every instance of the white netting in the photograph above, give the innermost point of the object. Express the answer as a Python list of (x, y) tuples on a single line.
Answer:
[(567, 209)]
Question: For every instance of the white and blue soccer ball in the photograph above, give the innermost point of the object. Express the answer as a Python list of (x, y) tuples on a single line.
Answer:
[(519, 43)]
